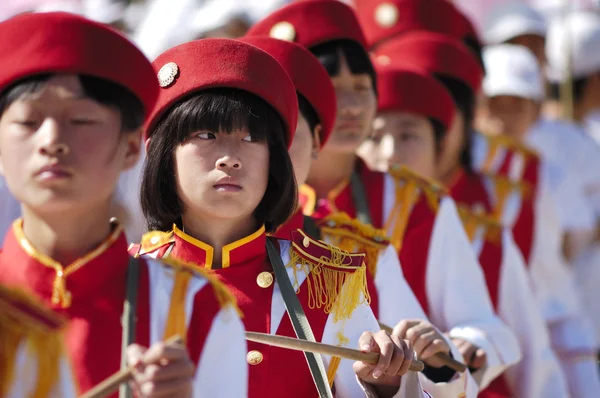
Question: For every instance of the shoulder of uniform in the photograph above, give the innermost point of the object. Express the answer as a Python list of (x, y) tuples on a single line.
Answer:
[(336, 279), (222, 293), (24, 312), (505, 184), (473, 219), (151, 241), (324, 254), (341, 224), (510, 144), (406, 175)]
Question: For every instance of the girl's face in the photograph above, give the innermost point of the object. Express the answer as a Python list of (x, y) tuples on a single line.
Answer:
[(508, 115), (221, 175), (61, 151), (304, 148), (401, 138), (357, 105)]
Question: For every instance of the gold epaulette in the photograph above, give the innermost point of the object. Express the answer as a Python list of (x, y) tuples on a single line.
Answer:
[(504, 187), (336, 279), (25, 320), (473, 220), (355, 237), (152, 241), (502, 142), (509, 143), (409, 187)]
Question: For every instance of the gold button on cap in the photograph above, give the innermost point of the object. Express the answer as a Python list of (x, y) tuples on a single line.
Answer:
[(386, 15), (167, 74), (264, 279), (283, 31), (254, 357)]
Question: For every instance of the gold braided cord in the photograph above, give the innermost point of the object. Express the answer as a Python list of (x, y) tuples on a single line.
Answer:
[(336, 288)]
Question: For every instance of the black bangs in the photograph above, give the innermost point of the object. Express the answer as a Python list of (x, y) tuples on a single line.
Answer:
[(103, 91), (356, 56), (219, 110)]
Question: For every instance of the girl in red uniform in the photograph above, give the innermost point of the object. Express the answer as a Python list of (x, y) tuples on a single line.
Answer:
[(218, 177), (73, 97)]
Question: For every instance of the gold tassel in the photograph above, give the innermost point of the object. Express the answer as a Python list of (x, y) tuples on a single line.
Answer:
[(335, 361), (11, 336), (353, 236), (224, 296), (504, 188), (470, 223), (48, 350), (407, 194), (332, 369), (24, 320), (335, 288), (176, 320), (491, 155)]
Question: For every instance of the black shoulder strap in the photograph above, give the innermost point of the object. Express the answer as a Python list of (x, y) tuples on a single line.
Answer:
[(311, 228), (128, 319), (299, 321), (359, 196)]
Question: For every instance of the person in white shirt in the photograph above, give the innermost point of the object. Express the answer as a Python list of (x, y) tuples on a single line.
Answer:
[(514, 91)]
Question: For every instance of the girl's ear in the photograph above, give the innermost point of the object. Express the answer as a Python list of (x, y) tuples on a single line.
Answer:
[(147, 144), (134, 148), (316, 148)]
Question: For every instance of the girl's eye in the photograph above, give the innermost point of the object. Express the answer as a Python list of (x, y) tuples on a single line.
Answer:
[(27, 123), (249, 138), (83, 122), (206, 136), (406, 136)]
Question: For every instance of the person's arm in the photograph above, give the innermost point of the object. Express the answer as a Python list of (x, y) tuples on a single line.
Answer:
[(397, 303), (459, 300)]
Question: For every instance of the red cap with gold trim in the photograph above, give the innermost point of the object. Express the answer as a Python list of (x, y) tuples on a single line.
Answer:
[(404, 89), (309, 77), (58, 42), (384, 19), (433, 53), (312, 22), (211, 63)]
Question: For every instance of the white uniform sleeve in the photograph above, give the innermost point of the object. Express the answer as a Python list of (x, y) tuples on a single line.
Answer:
[(458, 296), (538, 374), (397, 302), (574, 209), (587, 279), (347, 385), (571, 334), (225, 348)]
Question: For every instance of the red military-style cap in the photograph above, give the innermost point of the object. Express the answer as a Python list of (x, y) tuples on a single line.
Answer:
[(210, 63), (433, 53), (309, 77), (384, 19), (58, 42), (410, 90), (312, 22)]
